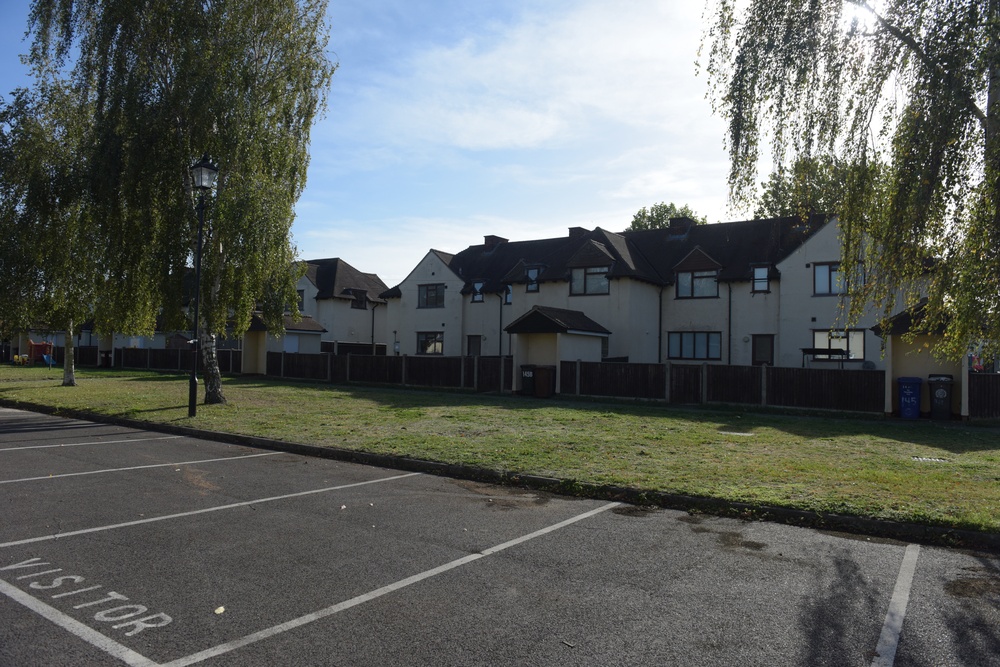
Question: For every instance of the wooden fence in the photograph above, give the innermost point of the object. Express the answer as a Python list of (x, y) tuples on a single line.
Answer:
[(984, 395), (830, 389), (476, 373), (851, 390)]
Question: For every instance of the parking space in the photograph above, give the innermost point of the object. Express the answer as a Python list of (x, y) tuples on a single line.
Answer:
[(120, 546)]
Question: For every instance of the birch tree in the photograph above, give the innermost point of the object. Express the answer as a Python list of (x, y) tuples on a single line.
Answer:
[(171, 80), (50, 261), (906, 95)]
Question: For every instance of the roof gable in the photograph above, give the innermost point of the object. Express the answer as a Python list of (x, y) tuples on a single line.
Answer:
[(543, 319)]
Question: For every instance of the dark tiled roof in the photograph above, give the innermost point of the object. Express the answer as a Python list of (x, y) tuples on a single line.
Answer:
[(305, 325), (542, 319), (652, 255), (336, 279)]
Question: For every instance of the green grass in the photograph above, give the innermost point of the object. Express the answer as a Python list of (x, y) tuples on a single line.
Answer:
[(850, 466)]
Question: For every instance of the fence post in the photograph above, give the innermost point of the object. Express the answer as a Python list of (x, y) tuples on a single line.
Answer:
[(763, 384), (501, 372), (666, 382), (578, 365), (329, 367), (475, 374), (348, 370), (404, 371), (282, 365), (704, 383)]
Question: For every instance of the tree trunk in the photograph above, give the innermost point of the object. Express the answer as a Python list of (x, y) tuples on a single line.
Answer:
[(210, 367), (69, 361)]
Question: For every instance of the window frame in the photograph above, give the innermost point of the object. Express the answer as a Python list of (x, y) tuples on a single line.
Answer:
[(592, 277), (477, 292), (689, 340), (696, 278), (508, 295), (835, 283), (426, 290), (828, 336), (757, 281), (425, 337), (360, 300), (532, 273)]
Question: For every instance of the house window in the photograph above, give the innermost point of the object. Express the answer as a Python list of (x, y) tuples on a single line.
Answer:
[(430, 296), (605, 347), (827, 279), (508, 295), (694, 345), (698, 284), (761, 279), (850, 340), (591, 280), (430, 342), (763, 350), (360, 300), (477, 292), (532, 275)]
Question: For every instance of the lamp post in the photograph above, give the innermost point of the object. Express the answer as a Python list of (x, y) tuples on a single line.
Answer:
[(203, 175)]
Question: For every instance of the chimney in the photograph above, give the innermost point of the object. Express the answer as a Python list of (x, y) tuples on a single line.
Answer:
[(680, 226), (491, 241), (577, 232)]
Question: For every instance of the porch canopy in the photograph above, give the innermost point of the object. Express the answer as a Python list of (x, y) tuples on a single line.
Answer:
[(547, 320)]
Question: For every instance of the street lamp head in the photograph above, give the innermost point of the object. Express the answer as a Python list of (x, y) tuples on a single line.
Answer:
[(204, 173)]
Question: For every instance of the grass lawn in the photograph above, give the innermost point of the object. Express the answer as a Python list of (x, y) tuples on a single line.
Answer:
[(923, 472)]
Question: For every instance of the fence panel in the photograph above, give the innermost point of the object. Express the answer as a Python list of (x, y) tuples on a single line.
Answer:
[(828, 389), (306, 366), (380, 369), (622, 379), (685, 383), (164, 360), (567, 378), (434, 371), (734, 384), (133, 357), (984, 395)]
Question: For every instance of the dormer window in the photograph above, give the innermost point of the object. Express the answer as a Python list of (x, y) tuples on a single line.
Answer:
[(761, 279), (508, 295), (477, 292), (360, 300), (697, 284), (590, 280), (532, 275)]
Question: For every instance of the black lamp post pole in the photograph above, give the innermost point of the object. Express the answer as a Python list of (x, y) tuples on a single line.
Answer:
[(193, 385)]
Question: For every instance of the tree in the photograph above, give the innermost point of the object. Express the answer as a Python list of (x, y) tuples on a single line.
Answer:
[(240, 80), (907, 94), (658, 216), (809, 185), (51, 264)]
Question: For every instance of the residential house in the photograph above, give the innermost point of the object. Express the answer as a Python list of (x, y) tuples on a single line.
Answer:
[(345, 302), (750, 292)]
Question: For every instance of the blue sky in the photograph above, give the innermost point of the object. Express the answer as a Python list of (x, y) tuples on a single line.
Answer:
[(449, 120)]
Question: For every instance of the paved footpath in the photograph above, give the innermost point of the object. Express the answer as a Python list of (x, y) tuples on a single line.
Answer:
[(119, 546)]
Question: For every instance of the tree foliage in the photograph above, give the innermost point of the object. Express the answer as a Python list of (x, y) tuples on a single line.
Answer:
[(168, 81), (51, 263), (658, 216), (905, 93), (809, 185)]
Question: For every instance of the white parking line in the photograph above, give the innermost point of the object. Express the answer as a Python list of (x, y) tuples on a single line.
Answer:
[(180, 515), (377, 593), (89, 635), (86, 444), (154, 465), (888, 641)]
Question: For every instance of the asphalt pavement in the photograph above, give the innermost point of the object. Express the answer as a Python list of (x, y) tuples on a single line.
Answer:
[(122, 546)]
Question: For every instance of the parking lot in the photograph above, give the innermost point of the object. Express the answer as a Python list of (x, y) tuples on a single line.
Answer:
[(124, 546)]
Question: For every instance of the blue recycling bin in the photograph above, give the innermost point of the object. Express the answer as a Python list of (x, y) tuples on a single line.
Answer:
[(909, 397)]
